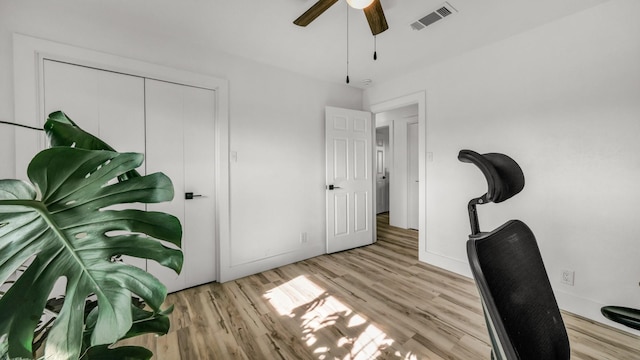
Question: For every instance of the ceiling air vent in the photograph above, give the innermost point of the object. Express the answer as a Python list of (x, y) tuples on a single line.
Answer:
[(441, 12)]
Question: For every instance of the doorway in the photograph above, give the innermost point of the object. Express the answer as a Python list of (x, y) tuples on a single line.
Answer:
[(410, 109), (397, 175)]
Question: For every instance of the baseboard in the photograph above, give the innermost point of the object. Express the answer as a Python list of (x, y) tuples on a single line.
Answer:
[(272, 262), (444, 262)]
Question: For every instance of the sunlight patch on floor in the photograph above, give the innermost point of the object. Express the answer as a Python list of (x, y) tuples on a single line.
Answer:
[(319, 312)]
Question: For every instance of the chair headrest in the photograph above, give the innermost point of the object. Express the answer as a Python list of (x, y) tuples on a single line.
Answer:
[(504, 176)]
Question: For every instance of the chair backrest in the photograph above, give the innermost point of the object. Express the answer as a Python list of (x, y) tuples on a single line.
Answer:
[(525, 322), (520, 309)]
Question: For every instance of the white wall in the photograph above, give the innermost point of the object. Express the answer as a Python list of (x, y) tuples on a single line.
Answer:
[(564, 101), (278, 181), (276, 127)]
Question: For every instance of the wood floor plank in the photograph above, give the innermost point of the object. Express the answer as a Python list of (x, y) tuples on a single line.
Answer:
[(413, 350), (470, 347), (223, 345), (167, 347), (374, 302)]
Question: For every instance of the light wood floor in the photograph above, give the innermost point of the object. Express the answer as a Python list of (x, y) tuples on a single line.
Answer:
[(375, 302)]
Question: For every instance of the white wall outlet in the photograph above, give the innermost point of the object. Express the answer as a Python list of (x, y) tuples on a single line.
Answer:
[(303, 237), (568, 277)]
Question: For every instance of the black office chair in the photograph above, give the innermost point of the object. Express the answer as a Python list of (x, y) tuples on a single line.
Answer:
[(521, 312)]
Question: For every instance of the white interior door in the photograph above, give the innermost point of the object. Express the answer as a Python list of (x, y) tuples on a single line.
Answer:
[(180, 143), (413, 176), (349, 179)]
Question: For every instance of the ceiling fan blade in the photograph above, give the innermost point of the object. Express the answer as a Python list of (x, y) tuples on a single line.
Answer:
[(316, 10), (375, 17)]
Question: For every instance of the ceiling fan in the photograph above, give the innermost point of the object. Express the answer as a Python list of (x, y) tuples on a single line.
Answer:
[(372, 10)]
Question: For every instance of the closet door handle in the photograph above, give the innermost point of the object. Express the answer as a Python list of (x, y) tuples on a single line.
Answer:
[(190, 195)]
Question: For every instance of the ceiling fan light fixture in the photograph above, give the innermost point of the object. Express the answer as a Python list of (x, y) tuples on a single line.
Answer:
[(359, 4)]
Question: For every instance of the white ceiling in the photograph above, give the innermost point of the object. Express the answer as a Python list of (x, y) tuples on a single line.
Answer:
[(263, 30)]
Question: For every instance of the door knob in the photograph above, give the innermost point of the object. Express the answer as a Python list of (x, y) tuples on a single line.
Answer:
[(190, 195), (331, 187)]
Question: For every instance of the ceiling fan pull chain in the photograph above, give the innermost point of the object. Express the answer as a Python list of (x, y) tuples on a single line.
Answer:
[(347, 43), (375, 48)]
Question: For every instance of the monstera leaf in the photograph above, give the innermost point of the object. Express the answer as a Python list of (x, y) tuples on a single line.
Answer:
[(62, 131), (63, 226)]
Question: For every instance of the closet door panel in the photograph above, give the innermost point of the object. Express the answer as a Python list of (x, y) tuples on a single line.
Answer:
[(75, 90), (106, 104), (181, 143), (165, 153), (199, 175), (122, 116)]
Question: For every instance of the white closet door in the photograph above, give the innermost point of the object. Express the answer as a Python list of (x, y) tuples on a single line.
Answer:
[(106, 104), (178, 139), (181, 143), (199, 175)]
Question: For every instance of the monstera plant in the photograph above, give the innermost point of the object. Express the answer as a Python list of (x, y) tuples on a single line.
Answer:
[(65, 224)]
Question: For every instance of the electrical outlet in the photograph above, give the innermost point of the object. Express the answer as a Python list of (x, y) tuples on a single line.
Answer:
[(303, 237), (568, 277)]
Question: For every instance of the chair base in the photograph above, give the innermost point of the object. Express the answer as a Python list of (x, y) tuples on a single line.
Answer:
[(623, 315)]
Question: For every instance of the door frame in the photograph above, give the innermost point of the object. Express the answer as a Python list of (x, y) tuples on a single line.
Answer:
[(419, 98), (29, 54), (385, 162), (411, 154)]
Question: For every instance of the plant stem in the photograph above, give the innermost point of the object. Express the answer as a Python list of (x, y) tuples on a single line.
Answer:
[(20, 125)]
